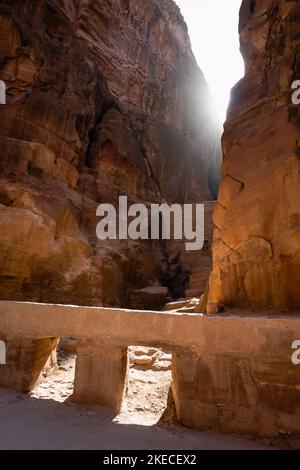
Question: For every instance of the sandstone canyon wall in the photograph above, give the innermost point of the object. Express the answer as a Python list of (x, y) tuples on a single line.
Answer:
[(256, 246), (104, 98)]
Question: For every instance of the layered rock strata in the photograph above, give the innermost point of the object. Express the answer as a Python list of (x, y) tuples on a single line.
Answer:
[(104, 98), (256, 248)]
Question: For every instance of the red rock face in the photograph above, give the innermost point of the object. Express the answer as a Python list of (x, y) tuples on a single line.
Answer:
[(104, 98), (257, 238)]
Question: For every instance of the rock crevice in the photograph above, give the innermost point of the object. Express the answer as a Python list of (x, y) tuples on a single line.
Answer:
[(104, 98)]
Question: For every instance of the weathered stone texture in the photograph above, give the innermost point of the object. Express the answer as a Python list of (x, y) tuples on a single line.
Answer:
[(256, 251), (104, 98), (101, 375), (25, 359), (232, 373)]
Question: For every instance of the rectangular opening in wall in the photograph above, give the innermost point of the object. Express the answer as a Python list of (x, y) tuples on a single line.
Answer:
[(56, 381), (148, 386)]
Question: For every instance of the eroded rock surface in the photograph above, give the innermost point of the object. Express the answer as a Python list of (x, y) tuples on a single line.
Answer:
[(104, 98), (256, 247)]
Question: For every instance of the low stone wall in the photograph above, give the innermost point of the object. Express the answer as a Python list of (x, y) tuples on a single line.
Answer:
[(232, 373)]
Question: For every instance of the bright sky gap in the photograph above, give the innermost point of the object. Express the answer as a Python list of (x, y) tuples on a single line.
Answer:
[(213, 29)]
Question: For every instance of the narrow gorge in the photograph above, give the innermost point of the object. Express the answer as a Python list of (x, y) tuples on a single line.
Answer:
[(105, 99)]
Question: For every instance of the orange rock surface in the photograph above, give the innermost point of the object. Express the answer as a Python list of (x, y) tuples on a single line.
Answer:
[(104, 98), (256, 250)]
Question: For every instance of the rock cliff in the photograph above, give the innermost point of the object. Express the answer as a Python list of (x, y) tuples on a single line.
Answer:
[(256, 246), (104, 98)]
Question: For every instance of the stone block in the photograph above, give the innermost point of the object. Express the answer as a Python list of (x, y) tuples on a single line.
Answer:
[(101, 375)]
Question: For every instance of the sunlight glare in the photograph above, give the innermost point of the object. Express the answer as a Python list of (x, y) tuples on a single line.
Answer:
[(213, 29)]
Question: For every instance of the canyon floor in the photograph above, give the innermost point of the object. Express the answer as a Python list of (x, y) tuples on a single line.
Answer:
[(47, 419)]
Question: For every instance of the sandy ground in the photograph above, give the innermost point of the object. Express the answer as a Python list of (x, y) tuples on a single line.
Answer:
[(148, 384), (47, 419)]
